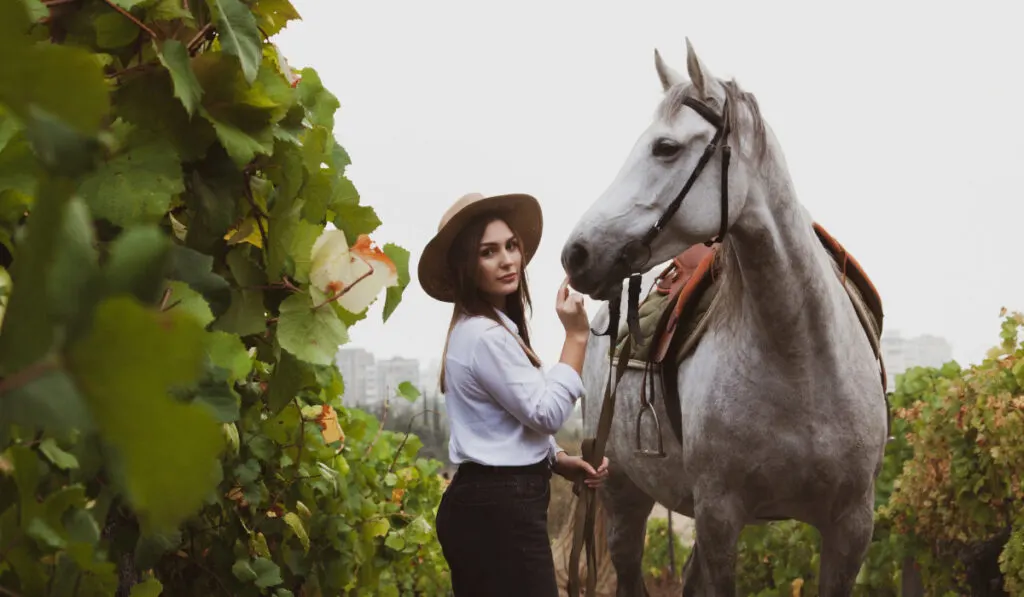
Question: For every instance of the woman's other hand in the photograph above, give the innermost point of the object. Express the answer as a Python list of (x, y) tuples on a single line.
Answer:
[(574, 467)]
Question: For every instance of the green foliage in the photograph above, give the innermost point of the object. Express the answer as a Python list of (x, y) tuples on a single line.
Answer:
[(962, 487), (170, 414), (657, 560)]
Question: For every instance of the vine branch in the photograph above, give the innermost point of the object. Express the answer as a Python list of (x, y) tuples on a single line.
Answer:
[(198, 38), (345, 290), (408, 431), (27, 375)]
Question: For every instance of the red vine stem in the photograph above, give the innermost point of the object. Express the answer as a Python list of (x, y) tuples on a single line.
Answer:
[(26, 375), (127, 14), (345, 290), (199, 37)]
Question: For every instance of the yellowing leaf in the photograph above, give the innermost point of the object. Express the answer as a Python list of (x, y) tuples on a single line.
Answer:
[(330, 428), (354, 277), (376, 528), (293, 522), (246, 232)]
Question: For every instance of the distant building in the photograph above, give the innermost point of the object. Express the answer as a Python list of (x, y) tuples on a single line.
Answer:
[(901, 353), (392, 372), (430, 378), (359, 372)]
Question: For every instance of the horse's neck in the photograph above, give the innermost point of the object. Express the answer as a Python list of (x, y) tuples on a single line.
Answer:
[(785, 300)]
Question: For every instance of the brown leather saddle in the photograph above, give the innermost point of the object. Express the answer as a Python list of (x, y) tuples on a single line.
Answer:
[(674, 316)]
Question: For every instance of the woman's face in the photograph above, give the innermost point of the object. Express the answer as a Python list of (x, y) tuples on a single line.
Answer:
[(499, 262)]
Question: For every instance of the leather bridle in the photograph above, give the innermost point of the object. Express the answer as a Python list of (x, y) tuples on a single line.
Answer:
[(593, 448)]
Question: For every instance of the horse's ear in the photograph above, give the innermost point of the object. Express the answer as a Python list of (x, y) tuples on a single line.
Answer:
[(699, 74), (666, 74)]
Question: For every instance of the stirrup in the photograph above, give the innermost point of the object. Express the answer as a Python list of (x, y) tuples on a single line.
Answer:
[(640, 451)]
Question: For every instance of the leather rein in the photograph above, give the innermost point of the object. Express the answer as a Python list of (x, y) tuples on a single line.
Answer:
[(593, 449)]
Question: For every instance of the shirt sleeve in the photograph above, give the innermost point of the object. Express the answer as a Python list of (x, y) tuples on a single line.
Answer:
[(540, 401), (555, 449)]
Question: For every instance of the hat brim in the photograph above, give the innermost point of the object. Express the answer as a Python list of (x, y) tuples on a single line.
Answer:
[(522, 213)]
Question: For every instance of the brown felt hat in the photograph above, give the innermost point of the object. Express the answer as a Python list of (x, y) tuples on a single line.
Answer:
[(521, 212)]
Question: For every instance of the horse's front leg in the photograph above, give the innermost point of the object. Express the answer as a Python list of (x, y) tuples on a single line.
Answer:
[(844, 543), (627, 508), (719, 518)]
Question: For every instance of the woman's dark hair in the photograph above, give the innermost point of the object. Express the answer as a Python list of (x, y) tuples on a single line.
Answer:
[(462, 266)]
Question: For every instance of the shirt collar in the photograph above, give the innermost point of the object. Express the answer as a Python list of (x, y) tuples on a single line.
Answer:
[(507, 320)]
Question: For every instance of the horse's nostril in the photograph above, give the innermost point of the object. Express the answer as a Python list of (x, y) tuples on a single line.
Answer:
[(577, 257)]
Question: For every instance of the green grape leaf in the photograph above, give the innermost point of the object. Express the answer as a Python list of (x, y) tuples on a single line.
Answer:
[(138, 260), (320, 103), (38, 76), (182, 298), (132, 356), (75, 266), (243, 571), (273, 15), (267, 573), (167, 10), (137, 185), (27, 333), (246, 314), (56, 455), (174, 56), (114, 30), (312, 335), (289, 377), (238, 34), (400, 257), (291, 245), (355, 220), (227, 352), (408, 391), (50, 402), (150, 587)]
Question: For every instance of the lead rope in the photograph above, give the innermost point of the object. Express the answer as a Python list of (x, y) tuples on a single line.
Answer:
[(593, 452)]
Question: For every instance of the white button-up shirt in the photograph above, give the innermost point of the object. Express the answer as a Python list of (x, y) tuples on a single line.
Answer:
[(502, 410)]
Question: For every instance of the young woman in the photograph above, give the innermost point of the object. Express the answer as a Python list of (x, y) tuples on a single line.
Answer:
[(503, 409)]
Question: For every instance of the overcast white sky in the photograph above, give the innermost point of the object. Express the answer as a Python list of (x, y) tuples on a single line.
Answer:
[(901, 122)]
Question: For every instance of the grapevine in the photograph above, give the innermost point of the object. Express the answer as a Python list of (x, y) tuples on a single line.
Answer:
[(181, 254)]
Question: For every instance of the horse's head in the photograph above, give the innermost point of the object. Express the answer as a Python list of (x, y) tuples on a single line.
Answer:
[(670, 193)]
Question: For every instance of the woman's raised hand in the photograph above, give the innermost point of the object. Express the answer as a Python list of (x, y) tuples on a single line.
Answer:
[(569, 306)]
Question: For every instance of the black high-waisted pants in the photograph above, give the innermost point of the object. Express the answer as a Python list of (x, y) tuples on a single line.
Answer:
[(492, 526)]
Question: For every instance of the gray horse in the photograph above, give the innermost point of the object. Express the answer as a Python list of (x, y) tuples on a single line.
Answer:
[(783, 410)]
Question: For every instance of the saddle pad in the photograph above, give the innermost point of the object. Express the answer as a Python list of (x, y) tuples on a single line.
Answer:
[(689, 286)]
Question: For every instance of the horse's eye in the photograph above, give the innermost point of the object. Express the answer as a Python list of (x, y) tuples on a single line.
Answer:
[(665, 148)]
